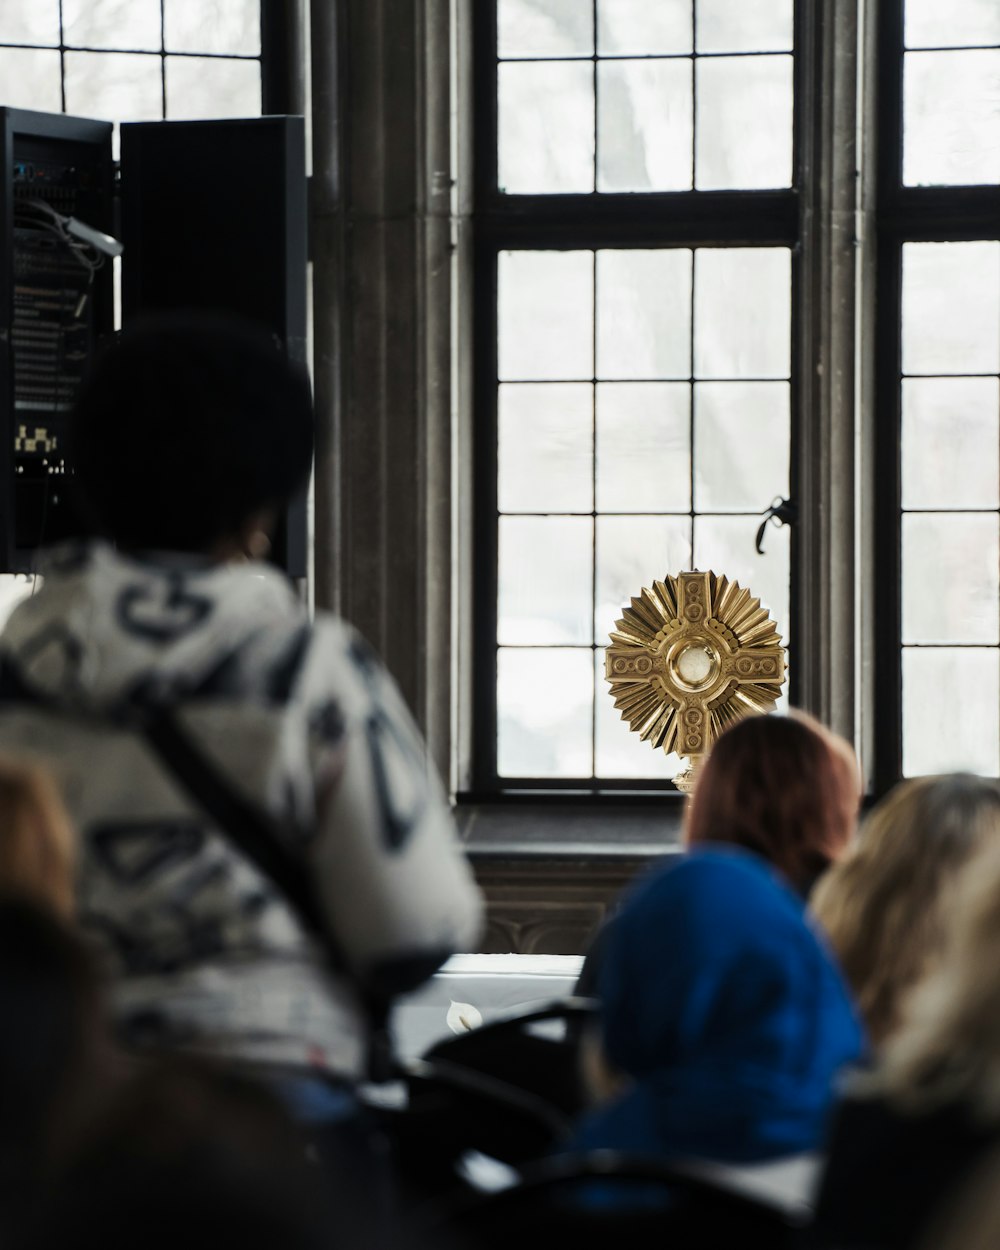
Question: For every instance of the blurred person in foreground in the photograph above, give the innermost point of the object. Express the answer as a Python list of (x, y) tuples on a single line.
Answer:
[(193, 1156), (887, 905), (909, 1133), (57, 1060), (188, 440)]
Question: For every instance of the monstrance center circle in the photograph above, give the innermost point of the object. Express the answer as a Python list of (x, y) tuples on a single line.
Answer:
[(695, 664)]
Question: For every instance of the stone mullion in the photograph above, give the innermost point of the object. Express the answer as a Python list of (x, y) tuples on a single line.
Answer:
[(384, 210), (827, 641)]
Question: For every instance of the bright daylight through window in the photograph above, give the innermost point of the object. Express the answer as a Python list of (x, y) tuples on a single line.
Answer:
[(949, 374), (642, 393), (643, 264)]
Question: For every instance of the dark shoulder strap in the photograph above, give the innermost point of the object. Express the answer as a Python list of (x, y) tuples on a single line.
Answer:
[(250, 828)]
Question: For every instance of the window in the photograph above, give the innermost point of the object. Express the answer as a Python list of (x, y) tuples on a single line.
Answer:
[(646, 210), (132, 60), (939, 389), (635, 412)]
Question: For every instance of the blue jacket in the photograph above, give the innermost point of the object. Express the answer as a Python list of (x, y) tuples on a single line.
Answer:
[(726, 1010)]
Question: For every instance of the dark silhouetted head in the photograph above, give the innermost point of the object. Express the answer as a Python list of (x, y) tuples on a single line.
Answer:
[(189, 428)]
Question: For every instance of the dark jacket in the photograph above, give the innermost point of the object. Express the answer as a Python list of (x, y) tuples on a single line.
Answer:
[(889, 1173)]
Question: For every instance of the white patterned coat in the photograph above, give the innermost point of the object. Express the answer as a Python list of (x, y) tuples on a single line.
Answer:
[(300, 717)]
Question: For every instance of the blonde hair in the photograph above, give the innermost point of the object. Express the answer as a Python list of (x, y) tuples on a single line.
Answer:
[(949, 1047), (885, 905), (37, 844)]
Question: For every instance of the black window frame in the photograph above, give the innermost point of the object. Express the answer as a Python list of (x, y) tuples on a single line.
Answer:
[(903, 214), (582, 221)]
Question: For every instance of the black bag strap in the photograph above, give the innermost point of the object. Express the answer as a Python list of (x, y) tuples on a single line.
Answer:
[(249, 827), (255, 833)]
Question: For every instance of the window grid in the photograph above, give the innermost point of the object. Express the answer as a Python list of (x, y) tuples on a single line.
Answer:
[(688, 219), (163, 54), (938, 648), (926, 715), (598, 57)]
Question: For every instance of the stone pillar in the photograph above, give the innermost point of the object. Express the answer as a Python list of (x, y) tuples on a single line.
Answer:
[(384, 225), (827, 466)]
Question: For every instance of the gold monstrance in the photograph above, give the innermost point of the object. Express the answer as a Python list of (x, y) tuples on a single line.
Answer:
[(691, 656)]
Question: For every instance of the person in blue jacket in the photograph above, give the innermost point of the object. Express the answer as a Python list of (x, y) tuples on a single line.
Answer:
[(724, 1019)]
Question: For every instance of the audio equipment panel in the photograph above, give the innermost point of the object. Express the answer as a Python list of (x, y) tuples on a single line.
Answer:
[(211, 215), (56, 306), (214, 218)]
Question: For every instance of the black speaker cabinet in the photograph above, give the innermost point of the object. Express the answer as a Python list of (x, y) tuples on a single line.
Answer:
[(212, 216)]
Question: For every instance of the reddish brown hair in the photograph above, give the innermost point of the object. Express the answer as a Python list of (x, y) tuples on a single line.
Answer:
[(782, 786)]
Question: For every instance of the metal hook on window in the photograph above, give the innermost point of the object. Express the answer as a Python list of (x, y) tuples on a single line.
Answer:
[(781, 512)]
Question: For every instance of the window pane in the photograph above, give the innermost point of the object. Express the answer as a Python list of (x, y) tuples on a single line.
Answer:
[(950, 564), (726, 545), (951, 307), (545, 705), (545, 580), (644, 125), (644, 314), (211, 87), (546, 126), (545, 448), (35, 22), (744, 25), (951, 443), (951, 117), (545, 28), (950, 711), (546, 315), (729, 152), (639, 28), (30, 79), (231, 26), (742, 318), (633, 552), (112, 23), (741, 436), (931, 24), (620, 753), (643, 447), (115, 86)]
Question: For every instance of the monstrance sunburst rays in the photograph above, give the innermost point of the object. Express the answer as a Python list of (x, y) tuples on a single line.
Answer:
[(692, 655)]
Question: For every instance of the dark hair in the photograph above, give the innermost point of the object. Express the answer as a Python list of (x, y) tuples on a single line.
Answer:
[(782, 786), (186, 427), (189, 1154)]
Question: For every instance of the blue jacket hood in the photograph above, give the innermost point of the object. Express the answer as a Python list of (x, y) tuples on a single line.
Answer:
[(724, 1006)]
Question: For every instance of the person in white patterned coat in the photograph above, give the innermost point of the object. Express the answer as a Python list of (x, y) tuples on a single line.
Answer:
[(188, 440)]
